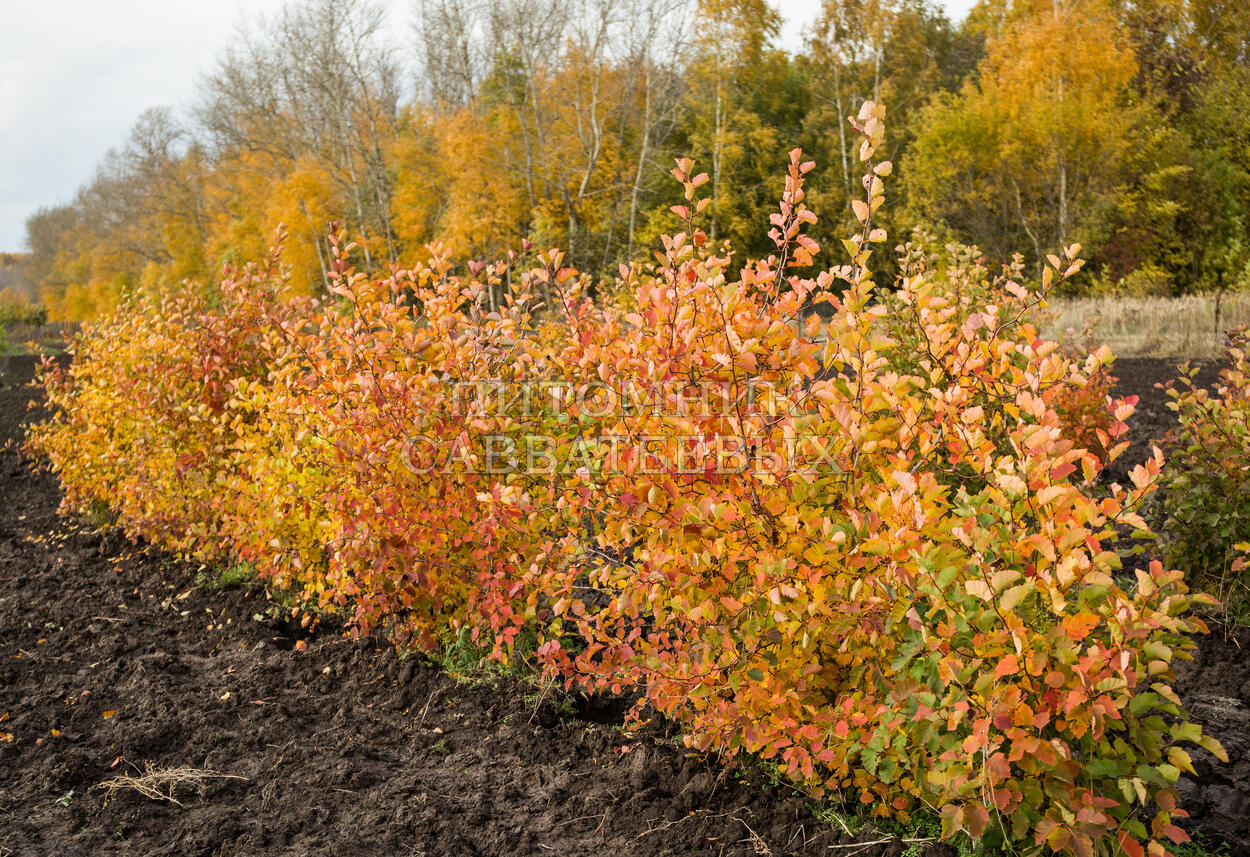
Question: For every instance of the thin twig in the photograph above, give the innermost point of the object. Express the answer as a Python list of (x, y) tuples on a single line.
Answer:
[(884, 841)]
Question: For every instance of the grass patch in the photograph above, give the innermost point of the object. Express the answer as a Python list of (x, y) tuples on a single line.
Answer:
[(468, 662), (1179, 327), (1200, 846), (228, 577)]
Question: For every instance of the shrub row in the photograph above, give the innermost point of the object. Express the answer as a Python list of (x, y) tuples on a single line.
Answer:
[(864, 542), (1203, 514)]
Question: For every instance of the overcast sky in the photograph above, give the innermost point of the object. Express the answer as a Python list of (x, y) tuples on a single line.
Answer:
[(75, 74)]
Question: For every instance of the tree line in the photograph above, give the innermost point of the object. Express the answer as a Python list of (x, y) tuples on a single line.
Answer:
[(1123, 125)]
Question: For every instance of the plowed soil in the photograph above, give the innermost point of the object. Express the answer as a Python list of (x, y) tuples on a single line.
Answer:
[(114, 662)]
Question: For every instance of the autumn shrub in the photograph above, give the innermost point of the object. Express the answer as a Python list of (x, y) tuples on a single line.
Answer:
[(144, 419), (1204, 510), (1083, 401), (328, 494), (1086, 410), (921, 606), (862, 543), (412, 543)]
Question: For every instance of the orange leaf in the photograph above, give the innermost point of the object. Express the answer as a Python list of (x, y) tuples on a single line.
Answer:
[(1078, 627)]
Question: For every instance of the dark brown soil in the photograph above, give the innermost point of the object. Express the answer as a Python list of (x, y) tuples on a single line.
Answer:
[(1216, 689), (113, 659), (1143, 377)]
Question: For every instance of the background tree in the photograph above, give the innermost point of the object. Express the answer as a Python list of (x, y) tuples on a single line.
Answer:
[(1120, 124), (1026, 152), (318, 84)]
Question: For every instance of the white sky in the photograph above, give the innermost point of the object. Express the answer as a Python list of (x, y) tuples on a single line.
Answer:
[(75, 74)]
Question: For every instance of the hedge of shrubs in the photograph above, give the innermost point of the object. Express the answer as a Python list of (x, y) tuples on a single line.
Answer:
[(868, 542), (1203, 514)]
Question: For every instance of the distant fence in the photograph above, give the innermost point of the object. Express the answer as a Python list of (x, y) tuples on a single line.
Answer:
[(48, 333), (1185, 327)]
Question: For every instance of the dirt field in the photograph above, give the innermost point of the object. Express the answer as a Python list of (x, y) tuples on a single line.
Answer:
[(113, 659)]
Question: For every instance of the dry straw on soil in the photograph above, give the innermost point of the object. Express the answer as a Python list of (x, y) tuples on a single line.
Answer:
[(162, 783), (1184, 327)]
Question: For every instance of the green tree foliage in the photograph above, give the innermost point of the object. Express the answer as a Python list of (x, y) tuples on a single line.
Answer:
[(1114, 124), (1022, 156)]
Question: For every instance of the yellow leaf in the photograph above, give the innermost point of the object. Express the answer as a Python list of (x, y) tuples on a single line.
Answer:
[(1180, 759), (1049, 493), (1013, 596), (979, 588)]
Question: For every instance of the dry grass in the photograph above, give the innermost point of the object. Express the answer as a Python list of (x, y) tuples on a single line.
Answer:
[(1183, 327), (162, 783)]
